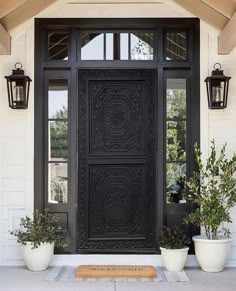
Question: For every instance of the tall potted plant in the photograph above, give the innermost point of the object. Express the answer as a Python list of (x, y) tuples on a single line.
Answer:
[(38, 236), (213, 189)]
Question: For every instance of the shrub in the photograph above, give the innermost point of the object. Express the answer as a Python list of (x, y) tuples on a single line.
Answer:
[(43, 228), (213, 189), (173, 238)]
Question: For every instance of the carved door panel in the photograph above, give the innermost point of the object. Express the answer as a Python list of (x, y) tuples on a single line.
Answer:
[(116, 177)]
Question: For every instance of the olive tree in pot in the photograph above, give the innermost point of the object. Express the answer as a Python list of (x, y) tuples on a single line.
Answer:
[(213, 189), (174, 248), (38, 236)]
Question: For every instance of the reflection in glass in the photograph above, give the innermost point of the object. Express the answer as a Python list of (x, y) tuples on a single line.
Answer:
[(92, 46), (109, 46), (175, 181), (57, 183), (58, 45), (57, 140), (141, 46), (57, 98), (124, 46), (176, 141), (176, 46), (176, 98)]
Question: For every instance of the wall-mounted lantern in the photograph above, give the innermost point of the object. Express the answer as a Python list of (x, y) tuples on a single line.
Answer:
[(217, 88), (18, 86)]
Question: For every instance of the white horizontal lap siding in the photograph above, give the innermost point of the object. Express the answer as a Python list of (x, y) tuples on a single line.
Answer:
[(17, 126), (222, 127), (16, 136)]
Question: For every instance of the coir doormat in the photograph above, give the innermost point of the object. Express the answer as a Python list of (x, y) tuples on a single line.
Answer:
[(67, 273), (115, 271)]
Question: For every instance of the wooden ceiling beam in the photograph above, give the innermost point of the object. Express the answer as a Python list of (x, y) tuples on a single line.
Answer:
[(204, 12), (24, 12), (7, 6), (227, 37), (5, 41)]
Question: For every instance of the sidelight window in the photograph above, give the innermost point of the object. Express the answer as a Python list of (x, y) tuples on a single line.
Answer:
[(57, 141), (175, 140)]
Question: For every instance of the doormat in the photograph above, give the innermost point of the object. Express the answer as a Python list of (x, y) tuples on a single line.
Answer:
[(115, 271), (67, 273)]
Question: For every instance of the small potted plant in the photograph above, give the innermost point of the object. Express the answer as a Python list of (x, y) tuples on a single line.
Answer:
[(38, 237), (174, 248), (213, 189)]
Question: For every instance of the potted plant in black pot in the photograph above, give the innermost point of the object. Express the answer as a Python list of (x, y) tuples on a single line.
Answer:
[(38, 236), (213, 189), (174, 248)]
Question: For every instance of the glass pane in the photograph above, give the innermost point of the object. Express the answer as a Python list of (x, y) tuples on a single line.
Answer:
[(58, 45), (92, 46), (217, 89), (176, 98), (176, 46), (57, 183), (57, 140), (109, 46), (124, 46), (176, 141), (175, 180), (57, 98), (141, 46)]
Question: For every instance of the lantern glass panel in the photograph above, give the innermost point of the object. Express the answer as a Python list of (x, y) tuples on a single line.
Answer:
[(18, 93), (217, 90), (217, 94)]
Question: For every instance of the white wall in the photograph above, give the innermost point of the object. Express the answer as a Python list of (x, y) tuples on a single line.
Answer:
[(17, 127)]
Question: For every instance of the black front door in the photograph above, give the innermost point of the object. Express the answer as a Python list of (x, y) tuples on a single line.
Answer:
[(116, 146)]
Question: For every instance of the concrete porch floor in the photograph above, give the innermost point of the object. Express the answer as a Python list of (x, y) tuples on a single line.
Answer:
[(19, 279)]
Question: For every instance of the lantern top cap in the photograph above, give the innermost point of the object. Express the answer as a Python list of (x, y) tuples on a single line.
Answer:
[(18, 73), (18, 66), (217, 73), (217, 70), (217, 65)]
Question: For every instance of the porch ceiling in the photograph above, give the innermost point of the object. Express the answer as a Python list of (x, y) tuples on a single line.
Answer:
[(218, 13)]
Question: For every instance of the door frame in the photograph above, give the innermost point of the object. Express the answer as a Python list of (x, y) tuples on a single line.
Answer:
[(70, 67)]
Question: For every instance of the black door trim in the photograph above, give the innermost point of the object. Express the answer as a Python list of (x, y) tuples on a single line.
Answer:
[(192, 65)]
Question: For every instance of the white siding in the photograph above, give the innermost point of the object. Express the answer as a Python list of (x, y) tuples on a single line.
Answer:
[(17, 127)]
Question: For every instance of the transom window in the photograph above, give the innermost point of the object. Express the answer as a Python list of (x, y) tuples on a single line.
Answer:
[(117, 46), (120, 45)]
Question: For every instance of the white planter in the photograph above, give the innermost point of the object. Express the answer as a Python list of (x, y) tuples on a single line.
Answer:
[(212, 255), (174, 260), (37, 259)]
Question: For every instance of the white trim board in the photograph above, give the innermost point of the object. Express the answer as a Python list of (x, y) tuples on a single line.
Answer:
[(94, 259), (155, 260), (113, 260)]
